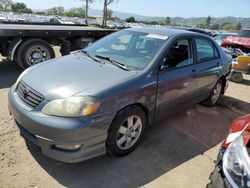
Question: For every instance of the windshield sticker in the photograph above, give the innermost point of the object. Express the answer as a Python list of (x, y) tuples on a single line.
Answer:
[(155, 36)]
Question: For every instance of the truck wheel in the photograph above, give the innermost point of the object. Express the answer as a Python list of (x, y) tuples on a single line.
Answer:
[(214, 95), (34, 51), (236, 77), (126, 131)]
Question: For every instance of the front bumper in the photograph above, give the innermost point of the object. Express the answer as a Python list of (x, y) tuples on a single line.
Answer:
[(49, 131)]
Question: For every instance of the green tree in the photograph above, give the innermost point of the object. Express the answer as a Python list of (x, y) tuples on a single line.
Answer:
[(154, 23), (58, 11), (227, 26), (76, 12), (20, 8), (105, 11), (238, 26), (131, 19), (208, 21), (109, 14), (5, 5), (202, 26), (168, 20)]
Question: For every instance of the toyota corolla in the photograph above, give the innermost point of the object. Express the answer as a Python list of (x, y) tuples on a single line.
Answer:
[(101, 98)]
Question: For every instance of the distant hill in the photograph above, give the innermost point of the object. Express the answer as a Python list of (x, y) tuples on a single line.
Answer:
[(245, 22), (192, 21), (121, 15)]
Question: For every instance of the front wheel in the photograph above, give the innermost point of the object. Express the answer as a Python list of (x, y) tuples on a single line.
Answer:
[(126, 131), (215, 95)]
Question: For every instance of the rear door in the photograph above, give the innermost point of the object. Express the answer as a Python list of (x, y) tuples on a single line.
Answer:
[(208, 65), (176, 81)]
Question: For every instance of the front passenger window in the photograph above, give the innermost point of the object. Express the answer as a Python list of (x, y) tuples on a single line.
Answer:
[(180, 54)]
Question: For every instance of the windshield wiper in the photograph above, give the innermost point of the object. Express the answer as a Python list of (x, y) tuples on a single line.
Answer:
[(92, 56), (114, 62)]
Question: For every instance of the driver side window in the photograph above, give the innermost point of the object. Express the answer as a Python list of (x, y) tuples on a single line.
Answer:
[(179, 55)]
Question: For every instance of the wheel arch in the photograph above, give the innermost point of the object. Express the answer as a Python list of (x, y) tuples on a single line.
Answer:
[(139, 105), (18, 41), (223, 79)]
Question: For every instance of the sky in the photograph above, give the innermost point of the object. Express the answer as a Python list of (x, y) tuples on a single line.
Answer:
[(183, 8)]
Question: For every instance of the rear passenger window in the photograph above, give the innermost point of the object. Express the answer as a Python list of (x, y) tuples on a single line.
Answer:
[(205, 50)]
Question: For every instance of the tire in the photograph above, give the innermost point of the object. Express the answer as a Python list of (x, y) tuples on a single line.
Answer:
[(236, 77), (32, 52), (215, 94), (121, 140)]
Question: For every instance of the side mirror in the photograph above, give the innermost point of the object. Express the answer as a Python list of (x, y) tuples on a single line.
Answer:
[(163, 67)]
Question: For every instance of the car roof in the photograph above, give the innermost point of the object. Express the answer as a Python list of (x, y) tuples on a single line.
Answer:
[(162, 31)]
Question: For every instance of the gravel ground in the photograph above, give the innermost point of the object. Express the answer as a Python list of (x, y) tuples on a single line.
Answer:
[(176, 152)]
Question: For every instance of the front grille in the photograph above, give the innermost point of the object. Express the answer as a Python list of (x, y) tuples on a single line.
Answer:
[(29, 96)]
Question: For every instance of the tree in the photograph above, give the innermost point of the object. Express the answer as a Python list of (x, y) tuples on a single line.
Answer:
[(86, 12), (20, 8), (105, 11), (58, 11), (215, 27), (131, 19), (168, 20), (238, 26), (75, 12), (109, 14), (227, 26), (208, 21), (5, 5), (202, 26)]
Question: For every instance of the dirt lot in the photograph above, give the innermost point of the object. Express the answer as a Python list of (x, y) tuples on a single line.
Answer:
[(176, 152)]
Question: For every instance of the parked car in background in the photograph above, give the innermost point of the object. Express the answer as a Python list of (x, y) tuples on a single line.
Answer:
[(102, 98), (220, 37), (59, 21), (233, 161), (240, 41)]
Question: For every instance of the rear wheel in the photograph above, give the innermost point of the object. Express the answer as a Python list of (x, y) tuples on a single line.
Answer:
[(215, 95), (236, 77), (126, 131), (32, 52)]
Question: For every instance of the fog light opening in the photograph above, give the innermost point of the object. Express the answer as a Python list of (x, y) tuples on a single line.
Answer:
[(67, 147)]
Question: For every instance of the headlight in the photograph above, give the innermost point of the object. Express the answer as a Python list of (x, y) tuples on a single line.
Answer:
[(236, 164), (72, 107)]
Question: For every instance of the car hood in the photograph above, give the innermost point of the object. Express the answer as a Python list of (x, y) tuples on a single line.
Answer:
[(236, 40), (69, 75)]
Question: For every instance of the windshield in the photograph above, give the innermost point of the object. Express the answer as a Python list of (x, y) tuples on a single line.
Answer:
[(244, 33), (135, 50)]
